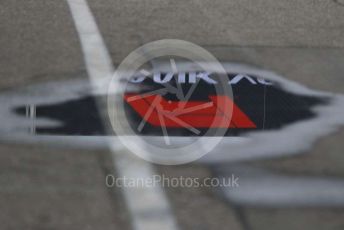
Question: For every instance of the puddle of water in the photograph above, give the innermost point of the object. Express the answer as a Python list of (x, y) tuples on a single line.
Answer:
[(288, 116)]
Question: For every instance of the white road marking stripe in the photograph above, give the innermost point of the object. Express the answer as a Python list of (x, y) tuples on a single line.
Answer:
[(148, 205), (33, 118), (264, 188)]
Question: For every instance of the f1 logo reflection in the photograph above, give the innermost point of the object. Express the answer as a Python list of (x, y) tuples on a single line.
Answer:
[(157, 111)]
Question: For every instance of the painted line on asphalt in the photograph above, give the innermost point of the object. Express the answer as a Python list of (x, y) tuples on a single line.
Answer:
[(148, 206), (265, 188)]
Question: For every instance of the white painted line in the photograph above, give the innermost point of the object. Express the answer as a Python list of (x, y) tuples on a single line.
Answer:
[(148, 206), (263, 188), (32, 114)]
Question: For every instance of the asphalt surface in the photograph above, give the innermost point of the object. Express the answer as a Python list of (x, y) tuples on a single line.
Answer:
[(57, 188)]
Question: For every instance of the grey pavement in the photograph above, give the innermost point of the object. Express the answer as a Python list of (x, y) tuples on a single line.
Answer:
[(52, 188), (38, 42)]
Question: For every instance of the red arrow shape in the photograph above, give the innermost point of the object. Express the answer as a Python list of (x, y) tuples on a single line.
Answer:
[(191, 114)]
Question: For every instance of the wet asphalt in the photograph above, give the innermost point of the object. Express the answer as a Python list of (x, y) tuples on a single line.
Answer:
[(56, 188)]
